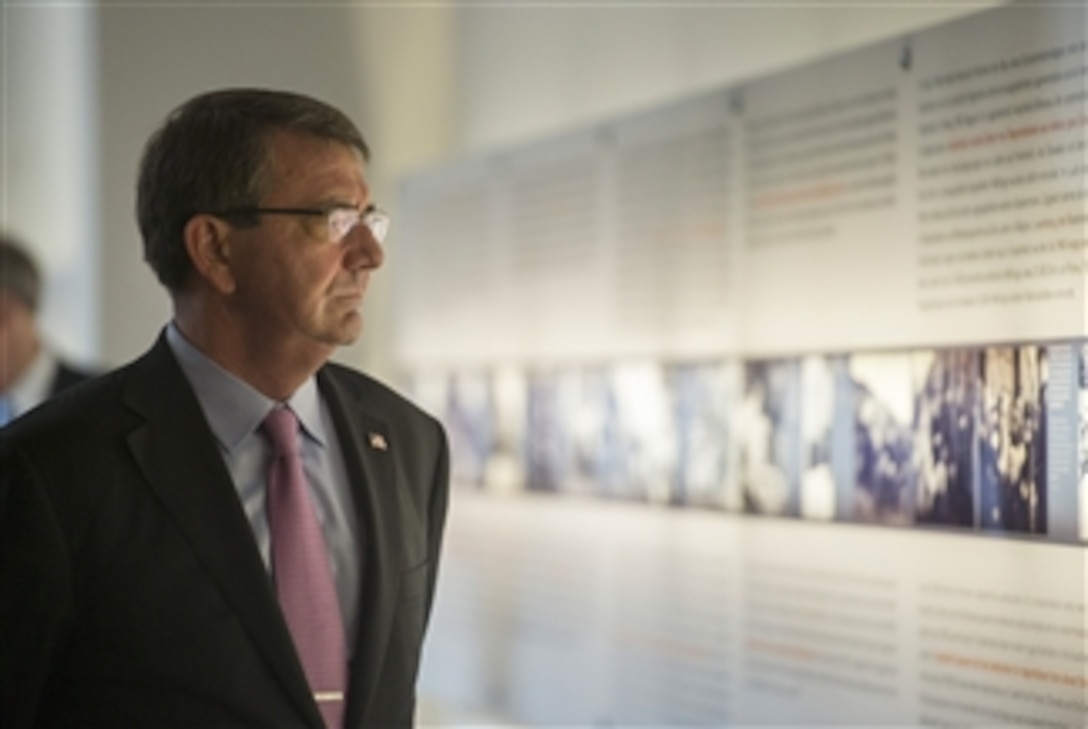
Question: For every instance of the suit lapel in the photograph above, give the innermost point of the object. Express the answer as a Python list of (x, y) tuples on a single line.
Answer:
[(176, 452), (366, 444)]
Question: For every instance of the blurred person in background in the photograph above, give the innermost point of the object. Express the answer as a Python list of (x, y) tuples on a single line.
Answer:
[(230, 530), (30, 370)]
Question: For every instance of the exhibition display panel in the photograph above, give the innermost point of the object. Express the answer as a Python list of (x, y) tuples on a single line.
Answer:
[(770, 405)]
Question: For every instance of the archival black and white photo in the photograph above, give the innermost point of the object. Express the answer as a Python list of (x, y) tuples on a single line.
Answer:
[(469, 418), (819, 378), (768, 437), (1082, 436), (1012, 439), (588, 401), (547, 443), (640, 450), (569, 419), (506, 469), (946, 407), (884, 472), (703, 397)]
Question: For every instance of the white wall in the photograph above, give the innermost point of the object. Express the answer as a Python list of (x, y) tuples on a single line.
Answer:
[(48, 124), (526, 71)]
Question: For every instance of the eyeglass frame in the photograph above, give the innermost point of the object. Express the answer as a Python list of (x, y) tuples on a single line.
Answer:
[(373, 217)]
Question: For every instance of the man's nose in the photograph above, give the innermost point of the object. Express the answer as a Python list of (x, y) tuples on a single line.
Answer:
[(363, 249)]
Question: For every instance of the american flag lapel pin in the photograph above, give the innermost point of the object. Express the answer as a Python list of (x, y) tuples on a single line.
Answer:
[(377, 442)]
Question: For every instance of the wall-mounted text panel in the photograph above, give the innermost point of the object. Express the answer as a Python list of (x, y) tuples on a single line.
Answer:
[(928, 190)]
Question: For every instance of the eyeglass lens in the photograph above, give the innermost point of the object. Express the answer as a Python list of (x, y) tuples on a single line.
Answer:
[(343, 220)]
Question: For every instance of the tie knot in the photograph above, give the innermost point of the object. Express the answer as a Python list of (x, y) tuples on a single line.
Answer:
[(281, 427)]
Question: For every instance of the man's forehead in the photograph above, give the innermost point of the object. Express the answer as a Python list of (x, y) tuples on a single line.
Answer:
[(282, 142), (293, 158)]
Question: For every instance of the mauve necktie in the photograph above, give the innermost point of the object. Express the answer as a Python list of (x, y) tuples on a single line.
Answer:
[(300, 568)]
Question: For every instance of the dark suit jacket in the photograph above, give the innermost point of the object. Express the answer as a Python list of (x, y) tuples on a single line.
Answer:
[(66, 376), (132, 592)]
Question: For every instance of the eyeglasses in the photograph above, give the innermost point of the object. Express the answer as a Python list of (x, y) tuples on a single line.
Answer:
[(339, 220)]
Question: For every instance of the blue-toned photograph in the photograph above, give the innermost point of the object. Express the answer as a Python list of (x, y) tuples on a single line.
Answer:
[(884, 469), (819, 400), (571, 433), (703, 398), (469, 416), (768, 437), (948, 386), (1012, 440), (639, 457)]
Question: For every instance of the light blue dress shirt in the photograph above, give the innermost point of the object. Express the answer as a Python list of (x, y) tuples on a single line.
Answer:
[(234, 411)]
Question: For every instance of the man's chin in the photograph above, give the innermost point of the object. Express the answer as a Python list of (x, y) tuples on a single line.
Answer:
[(350, 329)]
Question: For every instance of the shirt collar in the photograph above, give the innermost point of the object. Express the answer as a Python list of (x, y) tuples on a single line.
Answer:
[(34, 383), (233, 408)]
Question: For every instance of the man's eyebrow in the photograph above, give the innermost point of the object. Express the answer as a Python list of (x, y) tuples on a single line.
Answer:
[(334, 203)]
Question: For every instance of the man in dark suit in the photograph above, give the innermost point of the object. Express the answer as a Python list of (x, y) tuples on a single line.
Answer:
[(145, 575), (30, 371)]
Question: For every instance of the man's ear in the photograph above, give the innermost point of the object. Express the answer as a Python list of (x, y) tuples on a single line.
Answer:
[(207, 241)]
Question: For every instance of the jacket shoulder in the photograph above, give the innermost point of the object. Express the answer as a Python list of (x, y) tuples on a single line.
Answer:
[(68, 375), (77, 412), (377, 395)]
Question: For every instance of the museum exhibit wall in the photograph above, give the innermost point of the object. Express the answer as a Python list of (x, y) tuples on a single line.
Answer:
[(83, 84), (768, 403)]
